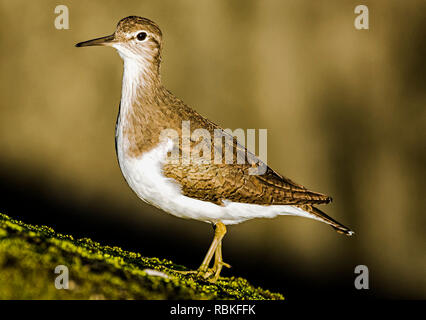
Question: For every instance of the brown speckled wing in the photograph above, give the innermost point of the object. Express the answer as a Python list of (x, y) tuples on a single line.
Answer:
[(217, 182)]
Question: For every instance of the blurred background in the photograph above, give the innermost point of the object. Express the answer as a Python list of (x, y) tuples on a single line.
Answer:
[(344, 109)]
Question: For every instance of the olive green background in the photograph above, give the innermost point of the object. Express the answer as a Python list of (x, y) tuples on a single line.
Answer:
[(344, 109)]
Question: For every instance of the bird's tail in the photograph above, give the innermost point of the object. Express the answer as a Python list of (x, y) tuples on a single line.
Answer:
[(319, 215)]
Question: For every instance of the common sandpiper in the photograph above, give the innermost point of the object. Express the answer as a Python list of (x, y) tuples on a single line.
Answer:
[(217, 193)]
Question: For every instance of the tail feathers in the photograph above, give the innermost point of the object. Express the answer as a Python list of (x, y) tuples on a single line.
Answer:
[(340, 228)]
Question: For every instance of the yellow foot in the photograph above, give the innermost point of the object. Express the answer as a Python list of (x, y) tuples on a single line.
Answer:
[(212, 275), (204, 272)]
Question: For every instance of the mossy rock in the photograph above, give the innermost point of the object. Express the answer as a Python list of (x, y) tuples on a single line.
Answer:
[(29, 255)]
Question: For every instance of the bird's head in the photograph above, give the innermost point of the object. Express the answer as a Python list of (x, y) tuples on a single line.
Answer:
[(136, 40)]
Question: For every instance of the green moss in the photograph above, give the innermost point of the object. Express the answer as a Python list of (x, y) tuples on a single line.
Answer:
[(29, 255)]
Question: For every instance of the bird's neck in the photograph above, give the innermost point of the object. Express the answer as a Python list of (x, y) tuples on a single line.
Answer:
[(141, 98), (141, 83)]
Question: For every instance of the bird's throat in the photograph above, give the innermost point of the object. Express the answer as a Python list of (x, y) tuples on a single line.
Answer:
[(141, 96), (141, 82)]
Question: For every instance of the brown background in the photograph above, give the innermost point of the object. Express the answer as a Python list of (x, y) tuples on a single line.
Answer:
[(344, 109)]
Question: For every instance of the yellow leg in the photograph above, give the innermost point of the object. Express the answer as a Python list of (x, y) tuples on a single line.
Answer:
[(216, 250), (219, 233), (218, 264)]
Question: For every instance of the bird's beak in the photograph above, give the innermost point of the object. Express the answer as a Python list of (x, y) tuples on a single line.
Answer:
[(104, 41)]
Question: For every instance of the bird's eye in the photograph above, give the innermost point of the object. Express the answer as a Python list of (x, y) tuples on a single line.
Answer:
[(141, 36)]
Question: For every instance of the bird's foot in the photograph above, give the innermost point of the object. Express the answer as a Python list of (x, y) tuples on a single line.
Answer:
[(208, 274), (212, 274)]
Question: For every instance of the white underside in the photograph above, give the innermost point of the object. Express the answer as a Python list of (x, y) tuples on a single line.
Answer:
[(145, 176)]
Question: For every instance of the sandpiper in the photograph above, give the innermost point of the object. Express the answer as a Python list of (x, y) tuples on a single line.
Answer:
[(217, 193)]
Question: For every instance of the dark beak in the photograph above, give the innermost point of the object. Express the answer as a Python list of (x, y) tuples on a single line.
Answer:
[(104, 41)]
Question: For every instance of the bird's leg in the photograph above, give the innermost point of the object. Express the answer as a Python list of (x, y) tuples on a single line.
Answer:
[(218, 264), (203, 269), (215, 249), (219, 233)]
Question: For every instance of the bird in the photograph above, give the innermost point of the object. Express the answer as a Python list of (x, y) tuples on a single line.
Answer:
[(156, 166)]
